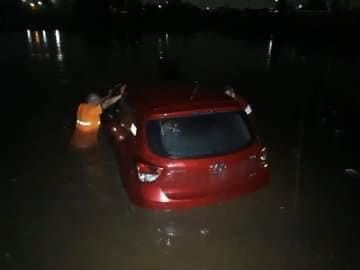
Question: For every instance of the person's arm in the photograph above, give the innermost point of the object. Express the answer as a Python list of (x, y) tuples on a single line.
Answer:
[(108, 101)]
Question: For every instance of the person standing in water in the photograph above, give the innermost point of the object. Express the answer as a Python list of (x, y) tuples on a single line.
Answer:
[(88, 117)]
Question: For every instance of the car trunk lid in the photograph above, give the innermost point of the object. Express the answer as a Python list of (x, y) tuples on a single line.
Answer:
[(193, 178)]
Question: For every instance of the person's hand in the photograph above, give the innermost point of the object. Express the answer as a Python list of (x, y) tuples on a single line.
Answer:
[(115, 90), (122, 89)]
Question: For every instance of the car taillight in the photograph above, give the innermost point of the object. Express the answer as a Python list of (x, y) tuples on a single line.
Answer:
[(263, 157), (148, 173)]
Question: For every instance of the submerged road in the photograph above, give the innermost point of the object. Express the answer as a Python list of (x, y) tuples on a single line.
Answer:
[(66, 209)]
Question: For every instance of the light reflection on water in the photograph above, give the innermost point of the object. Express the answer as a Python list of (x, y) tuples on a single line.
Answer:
[(44, 37), (193, 55), (29, 38), (269, 51), (60, 55), (38, 44), (163, 45), (37, 38), (163, 55)]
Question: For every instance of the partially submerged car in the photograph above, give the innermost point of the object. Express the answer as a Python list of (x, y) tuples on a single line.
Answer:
[(186, 145)]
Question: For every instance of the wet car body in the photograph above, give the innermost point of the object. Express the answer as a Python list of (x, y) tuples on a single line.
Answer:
[(181, 117)]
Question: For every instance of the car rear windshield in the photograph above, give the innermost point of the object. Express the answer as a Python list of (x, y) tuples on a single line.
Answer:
[(199, 135)]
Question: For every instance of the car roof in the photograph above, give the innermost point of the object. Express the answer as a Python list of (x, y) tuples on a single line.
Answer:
[(166, 98)]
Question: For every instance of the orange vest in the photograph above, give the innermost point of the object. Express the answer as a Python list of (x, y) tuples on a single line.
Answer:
[(88, 117), (87, 125)]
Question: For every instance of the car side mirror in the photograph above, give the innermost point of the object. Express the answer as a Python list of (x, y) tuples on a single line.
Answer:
[(119, 133)]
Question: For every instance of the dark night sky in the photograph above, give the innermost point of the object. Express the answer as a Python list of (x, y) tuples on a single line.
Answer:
[(249, 3), (232, 3), (241, 4)]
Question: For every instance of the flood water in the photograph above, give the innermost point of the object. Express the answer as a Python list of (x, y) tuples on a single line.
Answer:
[(66, 209)]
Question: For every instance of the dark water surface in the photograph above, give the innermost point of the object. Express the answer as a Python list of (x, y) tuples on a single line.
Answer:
[(66, 209)]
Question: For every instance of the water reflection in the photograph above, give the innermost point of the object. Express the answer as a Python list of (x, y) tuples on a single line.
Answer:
[(28, 33), (37, 38), (168, 66), (60, 55), (34, 44), (38, 44), (167, 40), (269, 52), (29, 38), (44, 37), (163, 55), (162, 45)]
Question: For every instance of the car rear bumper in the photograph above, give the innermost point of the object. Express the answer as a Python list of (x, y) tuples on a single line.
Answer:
[(151, 196)]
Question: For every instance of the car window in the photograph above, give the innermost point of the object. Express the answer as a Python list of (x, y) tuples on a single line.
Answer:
[(199, 135)]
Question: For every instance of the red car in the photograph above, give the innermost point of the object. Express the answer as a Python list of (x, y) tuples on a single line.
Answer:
[(186, 145)]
